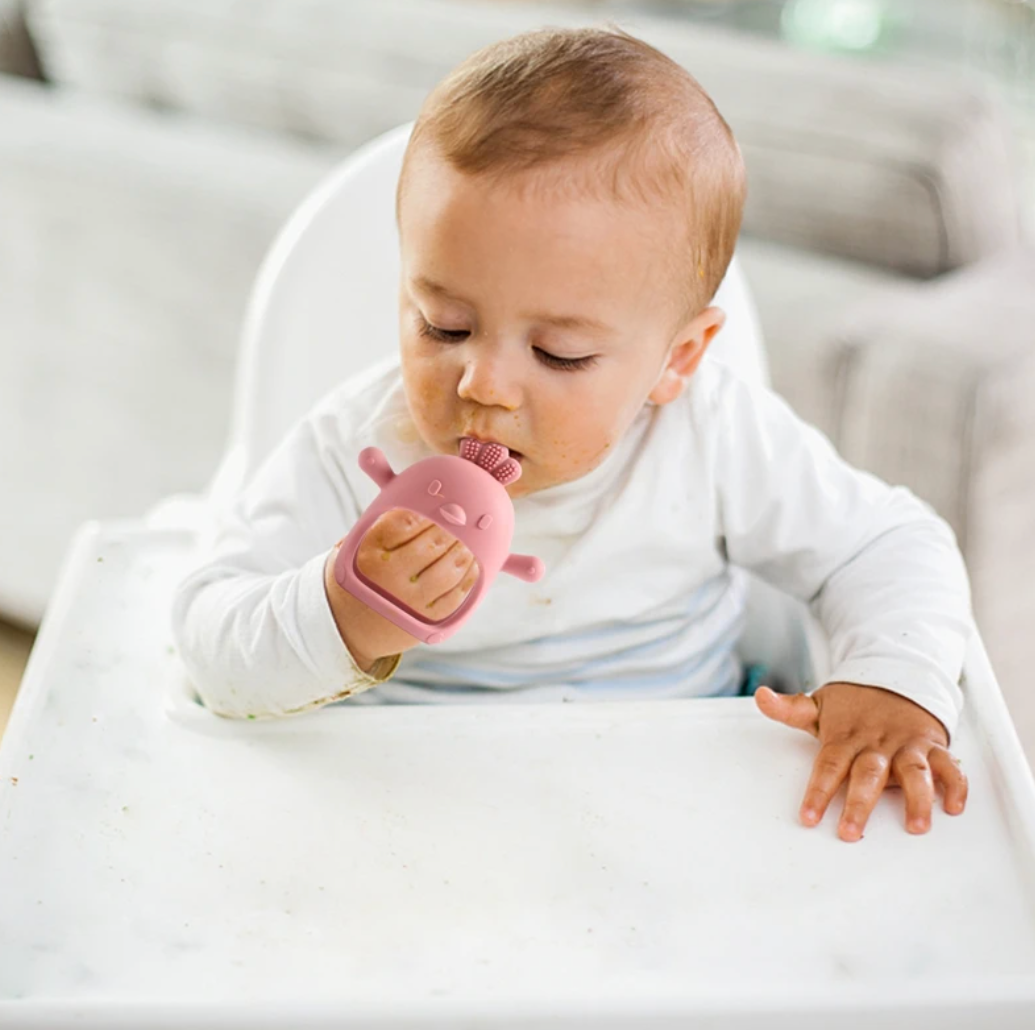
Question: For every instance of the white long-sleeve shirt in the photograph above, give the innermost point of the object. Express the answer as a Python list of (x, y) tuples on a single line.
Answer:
[(642, 596)]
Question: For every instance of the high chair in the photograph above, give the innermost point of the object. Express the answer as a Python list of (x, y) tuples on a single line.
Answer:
[(612, 865)]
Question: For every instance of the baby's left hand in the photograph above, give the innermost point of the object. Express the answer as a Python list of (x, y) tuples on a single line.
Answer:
[(877, 739)]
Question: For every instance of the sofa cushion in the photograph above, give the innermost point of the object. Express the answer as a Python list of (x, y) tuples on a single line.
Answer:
[(801, 299), (880, 164), (937, 386), (129, 247)]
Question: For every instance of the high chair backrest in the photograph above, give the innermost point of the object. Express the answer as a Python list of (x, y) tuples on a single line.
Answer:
[(325, 304)]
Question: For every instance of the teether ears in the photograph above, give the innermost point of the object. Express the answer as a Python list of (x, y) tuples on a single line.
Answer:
[(465, 495)]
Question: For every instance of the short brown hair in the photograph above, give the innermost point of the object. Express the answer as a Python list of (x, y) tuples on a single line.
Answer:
[(543, 96)]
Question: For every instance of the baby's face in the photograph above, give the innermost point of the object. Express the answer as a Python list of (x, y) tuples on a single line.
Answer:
[(539, 318)]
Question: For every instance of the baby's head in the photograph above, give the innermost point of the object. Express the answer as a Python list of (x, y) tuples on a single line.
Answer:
[(568, 206)]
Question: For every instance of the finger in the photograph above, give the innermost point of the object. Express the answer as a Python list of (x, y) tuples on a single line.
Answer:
[(444, 606), (798, 710), (914, 777), (395, 528), (444, 575), (419, 554), (866, 783), (828, 771), (946, 768)]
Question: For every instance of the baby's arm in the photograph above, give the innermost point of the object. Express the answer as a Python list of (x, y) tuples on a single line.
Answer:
[(254, 625), (885, 578)]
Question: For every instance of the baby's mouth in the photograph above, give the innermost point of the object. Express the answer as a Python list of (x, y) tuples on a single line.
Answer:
[(516, 455)]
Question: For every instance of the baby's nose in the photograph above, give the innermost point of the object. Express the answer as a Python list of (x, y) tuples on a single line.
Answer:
[(454, 513), (489, 381)]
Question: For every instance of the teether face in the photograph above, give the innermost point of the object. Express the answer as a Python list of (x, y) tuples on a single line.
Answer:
[(465, 495)]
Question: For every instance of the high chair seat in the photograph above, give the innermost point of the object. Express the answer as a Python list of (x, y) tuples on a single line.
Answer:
[(608, 864)]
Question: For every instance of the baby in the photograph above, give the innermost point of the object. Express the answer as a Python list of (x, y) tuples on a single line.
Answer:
[(568, 206)]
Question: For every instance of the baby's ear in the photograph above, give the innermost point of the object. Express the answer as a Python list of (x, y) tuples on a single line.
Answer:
[(686, 352)]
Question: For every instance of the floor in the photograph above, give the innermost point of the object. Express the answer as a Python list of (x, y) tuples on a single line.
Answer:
[(15, 644)]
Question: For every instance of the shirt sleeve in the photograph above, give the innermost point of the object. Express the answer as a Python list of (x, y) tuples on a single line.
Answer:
[(880, 570), (253, 624)]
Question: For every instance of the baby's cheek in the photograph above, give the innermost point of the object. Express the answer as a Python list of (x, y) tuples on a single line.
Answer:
[(427, 394), (591, 456), (583, 438), (573, 458)]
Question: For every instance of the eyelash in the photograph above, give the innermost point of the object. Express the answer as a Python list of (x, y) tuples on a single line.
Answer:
[(425, 328)]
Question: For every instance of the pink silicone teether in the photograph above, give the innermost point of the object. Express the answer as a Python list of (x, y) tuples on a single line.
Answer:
[(465, 495)]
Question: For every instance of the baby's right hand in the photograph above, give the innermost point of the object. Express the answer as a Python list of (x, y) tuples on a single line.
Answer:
[(413, 559)]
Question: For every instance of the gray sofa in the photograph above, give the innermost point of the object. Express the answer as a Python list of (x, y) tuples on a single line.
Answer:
[(151, 148)]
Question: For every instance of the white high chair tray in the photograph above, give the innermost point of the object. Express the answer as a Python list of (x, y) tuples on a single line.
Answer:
[(630, 864)]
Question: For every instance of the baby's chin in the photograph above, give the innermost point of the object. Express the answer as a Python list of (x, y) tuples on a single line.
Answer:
[(521, 488), (535, 479)]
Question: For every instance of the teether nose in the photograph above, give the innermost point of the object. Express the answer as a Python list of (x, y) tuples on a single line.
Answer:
[(454, 513)]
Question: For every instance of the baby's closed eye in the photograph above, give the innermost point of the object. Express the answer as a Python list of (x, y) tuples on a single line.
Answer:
[(426, 329)]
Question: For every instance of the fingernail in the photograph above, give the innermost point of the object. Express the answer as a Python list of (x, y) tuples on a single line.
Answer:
[(810, 815), (851, 828)]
